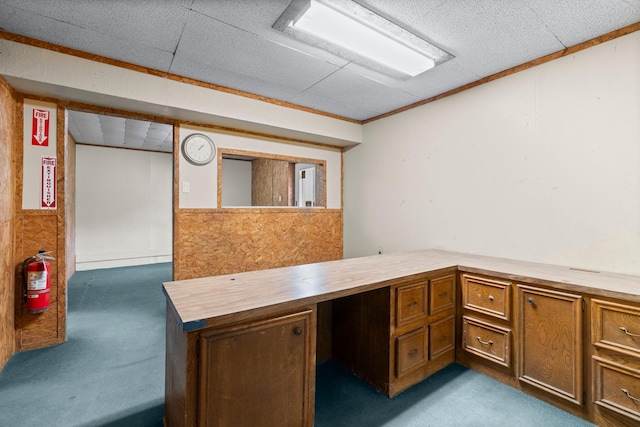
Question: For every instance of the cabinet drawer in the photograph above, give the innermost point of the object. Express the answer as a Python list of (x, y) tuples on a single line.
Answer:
[(617, 388), (442, 336), (488, 296), (441, 294), (411, 351), (411, 305), (485, 340), (616, 325)]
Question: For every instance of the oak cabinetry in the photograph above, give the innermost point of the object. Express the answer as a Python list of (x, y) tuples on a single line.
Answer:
[(615, 335), (260, 372), (486, 323), (486, 340), (396, 336), (550, 353)]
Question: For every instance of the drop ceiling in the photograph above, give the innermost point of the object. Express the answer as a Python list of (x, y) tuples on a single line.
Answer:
[(232, 43)]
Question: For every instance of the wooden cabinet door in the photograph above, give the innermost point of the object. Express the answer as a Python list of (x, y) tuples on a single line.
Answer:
[(259, 374), (551, 342)]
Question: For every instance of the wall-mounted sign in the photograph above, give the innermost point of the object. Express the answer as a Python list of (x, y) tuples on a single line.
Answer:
[(40, 128), (48, 200)]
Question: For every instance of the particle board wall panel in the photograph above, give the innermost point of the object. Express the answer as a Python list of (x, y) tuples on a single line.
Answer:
[(69, 207), (214, 242), (36, 230), (8, 134), (262, 180)]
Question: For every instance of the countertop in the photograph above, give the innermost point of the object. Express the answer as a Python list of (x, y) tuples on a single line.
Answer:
[(222, 299)]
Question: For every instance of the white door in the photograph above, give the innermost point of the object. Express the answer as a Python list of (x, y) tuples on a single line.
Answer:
[(307, 187)]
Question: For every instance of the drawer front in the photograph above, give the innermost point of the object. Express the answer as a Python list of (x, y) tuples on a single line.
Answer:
[(485, 340), (442, 294), (442, 336), (616, 325), (411, 351), (411, 305), (617, 388), (487, 296)]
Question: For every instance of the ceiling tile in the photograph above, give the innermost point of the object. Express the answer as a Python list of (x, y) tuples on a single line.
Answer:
[(243, 53), (233, 44), (350, 88), (568, 19), (156, 24)]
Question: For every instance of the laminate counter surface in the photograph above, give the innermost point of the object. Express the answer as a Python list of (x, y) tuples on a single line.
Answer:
[(217, 300)]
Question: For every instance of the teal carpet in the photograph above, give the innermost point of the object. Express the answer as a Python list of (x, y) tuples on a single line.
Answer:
[(111, 373)]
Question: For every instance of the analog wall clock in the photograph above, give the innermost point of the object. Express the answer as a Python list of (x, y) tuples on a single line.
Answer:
[(198, 149)]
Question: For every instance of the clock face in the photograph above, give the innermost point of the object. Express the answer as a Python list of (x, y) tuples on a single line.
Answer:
[(198, 149)]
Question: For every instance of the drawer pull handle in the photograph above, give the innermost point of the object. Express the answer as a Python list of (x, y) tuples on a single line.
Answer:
[(443, 338), (443, 295), (490, 297), (297, 330), (412, 305), (623, 329), (625, 391), (413, 353), (484, 342)]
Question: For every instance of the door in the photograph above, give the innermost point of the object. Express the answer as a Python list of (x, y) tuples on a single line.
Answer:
[(259, 374), (551, 341), (307, 187)]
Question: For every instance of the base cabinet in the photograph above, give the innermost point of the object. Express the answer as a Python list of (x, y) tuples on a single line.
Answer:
[(396, 336), (551, 342), (259, 373), (615, 335)]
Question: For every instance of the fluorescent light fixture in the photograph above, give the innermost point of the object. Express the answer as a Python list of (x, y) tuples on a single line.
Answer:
[(357, 34)]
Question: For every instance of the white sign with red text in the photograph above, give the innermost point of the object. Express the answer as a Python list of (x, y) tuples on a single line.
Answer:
[(40, 128), (48, 200)]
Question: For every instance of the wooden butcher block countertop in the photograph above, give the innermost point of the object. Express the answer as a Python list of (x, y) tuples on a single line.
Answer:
[(218, 300)]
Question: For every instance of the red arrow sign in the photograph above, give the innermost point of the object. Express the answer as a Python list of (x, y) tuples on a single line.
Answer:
[(48, 183), (40, 128)]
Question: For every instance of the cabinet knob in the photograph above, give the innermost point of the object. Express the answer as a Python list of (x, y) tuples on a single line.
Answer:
[(490, 297), (531, 301), (297, 330)]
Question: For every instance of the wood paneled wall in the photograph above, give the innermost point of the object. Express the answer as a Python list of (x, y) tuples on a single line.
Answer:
[(8, 107), (35, 230), (70, 206), (213, 242)]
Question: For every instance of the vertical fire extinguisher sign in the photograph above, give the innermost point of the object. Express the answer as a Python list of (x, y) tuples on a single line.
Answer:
[(40, 128), (48, 199)]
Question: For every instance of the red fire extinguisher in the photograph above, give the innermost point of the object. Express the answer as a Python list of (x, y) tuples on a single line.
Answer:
[(36, 273)]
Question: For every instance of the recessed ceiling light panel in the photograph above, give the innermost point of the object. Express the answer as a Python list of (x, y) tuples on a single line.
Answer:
[(357, 34)]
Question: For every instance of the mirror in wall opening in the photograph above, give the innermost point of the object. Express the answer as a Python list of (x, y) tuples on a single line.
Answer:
[(260, 179)]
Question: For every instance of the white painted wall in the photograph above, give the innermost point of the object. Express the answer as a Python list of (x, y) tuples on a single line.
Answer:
[(123, 207), (30, 69), (236, 182), (203, 180), (543, 165)]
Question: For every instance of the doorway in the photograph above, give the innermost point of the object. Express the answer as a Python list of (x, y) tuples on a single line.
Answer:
[(123, 190)]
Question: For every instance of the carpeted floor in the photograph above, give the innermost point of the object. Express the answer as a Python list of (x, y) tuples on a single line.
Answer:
[(111, 373)]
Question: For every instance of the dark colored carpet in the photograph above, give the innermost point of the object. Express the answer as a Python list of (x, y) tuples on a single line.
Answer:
[(111, 373)]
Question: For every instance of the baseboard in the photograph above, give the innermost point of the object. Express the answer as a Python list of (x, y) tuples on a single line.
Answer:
[(125, 262)]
